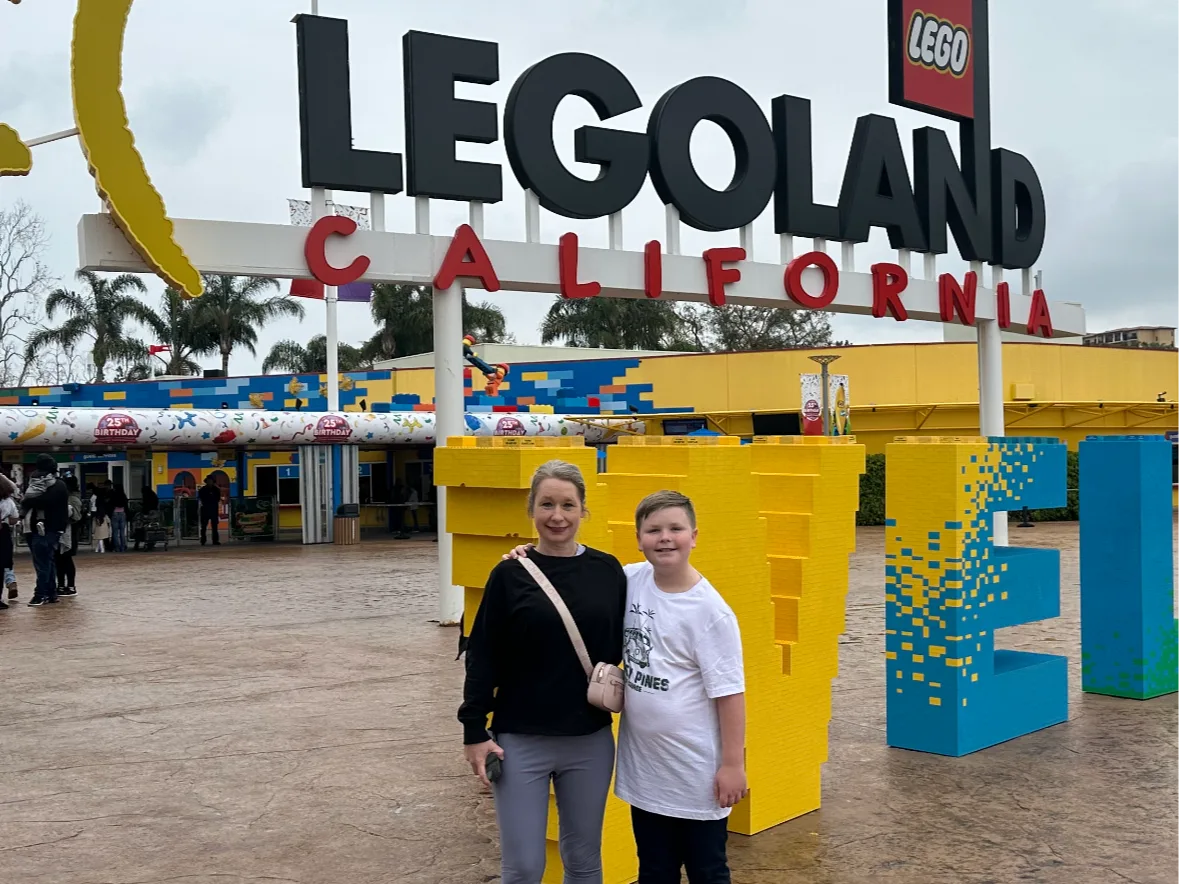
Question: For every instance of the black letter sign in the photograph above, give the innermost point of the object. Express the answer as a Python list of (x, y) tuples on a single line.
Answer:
[(528, 136), (325, 115), (876, 190), (670, 129), (795, 210), (1017, 202), (435, 119)]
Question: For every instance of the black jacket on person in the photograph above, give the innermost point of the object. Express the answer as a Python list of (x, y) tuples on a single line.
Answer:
[(51, 506), (521, 665), (210, 498)]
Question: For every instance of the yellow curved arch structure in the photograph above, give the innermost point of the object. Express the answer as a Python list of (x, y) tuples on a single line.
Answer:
[(96, 75), (15, 156)]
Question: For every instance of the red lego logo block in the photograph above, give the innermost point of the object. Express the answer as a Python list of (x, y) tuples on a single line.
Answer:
[(932, 47)]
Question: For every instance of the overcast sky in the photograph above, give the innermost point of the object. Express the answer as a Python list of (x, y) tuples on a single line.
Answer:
[(1086, 89)]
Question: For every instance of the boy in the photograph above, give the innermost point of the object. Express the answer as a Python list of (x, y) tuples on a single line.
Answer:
[(681, 741)]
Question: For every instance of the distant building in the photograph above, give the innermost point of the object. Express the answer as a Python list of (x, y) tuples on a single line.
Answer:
[(1139, 336)]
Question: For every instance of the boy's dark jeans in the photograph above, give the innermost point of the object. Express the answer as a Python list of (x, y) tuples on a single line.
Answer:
[(666, 844)]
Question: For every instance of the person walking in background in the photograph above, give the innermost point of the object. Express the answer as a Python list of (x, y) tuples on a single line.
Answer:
[(9, 519), (68, 546), (210, 505), (117, 503), (45, 513)]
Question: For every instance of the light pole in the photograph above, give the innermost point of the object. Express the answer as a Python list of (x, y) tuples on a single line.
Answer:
[(825, 359)]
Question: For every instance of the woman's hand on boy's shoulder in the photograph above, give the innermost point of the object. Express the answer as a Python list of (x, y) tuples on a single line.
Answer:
[(731, 785), (519, 552)]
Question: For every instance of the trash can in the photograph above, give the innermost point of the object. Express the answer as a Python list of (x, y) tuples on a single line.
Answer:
[(346, 526)]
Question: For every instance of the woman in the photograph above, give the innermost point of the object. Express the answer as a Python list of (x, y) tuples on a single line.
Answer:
[(9, 519), (66, 572), (522, 666)]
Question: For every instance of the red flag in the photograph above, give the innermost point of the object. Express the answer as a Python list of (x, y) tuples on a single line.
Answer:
[(158, 348)]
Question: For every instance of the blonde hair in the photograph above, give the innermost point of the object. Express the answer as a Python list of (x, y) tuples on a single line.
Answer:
[(664, 500), (557, 469)]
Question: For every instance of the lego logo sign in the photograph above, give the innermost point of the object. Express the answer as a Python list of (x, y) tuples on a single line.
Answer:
[(931, 44)]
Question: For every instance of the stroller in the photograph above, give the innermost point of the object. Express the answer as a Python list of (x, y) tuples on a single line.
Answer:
[(147, 528)]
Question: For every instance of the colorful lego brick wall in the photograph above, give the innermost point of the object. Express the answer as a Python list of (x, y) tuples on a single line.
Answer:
[(948, 589), (1128, 626)]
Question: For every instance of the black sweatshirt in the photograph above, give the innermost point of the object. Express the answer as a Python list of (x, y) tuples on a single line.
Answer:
[(520, 662)]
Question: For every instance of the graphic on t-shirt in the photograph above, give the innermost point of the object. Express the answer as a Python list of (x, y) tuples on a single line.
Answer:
[(637, 649), (636, 640)]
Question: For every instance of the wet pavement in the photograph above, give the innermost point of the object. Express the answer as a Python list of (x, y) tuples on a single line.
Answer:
[(286, 714)]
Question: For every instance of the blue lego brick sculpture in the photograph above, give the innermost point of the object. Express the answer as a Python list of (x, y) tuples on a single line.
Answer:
[(1128, 626), (948, 588)]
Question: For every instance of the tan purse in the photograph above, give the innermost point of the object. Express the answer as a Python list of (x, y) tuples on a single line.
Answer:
[(606, 689)]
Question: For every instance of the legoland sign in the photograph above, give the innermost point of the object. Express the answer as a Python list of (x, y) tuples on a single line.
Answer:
[(991, 203)]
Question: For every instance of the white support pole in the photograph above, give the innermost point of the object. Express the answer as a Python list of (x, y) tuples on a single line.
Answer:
[(785, 248), (319, 201), (421, 214), (615, 231), (820, 244), (905, 260), (929, 270), (847, 258), (448, 421), (475, 216), (671, 216), (1025, 277), (531, 217), (990, 386), (745, 240), (376, 210)]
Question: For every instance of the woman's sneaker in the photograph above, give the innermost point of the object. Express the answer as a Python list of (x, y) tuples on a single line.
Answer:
[(12, 593), (67, 590), (37, 603)]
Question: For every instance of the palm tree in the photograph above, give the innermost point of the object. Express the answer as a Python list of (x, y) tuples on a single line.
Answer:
[(184, 334), (614, 323), (405, 321), (294, 357), (98, 315), (232, 313)]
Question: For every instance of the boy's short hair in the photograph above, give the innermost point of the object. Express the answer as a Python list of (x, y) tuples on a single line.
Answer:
[(663, 500)]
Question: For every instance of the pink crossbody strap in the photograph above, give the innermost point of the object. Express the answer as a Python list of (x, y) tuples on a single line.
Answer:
[(566, 617)]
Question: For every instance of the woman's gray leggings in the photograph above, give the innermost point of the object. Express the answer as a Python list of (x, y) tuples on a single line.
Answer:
[(580, 769)]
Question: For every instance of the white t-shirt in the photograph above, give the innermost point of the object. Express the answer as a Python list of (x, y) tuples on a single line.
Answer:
[(8, 508), (682, 652)]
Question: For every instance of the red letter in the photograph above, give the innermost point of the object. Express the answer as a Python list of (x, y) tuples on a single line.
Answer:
[(466, 242), (567, 265), (951, 297), (793, 280), (718, 275), (313, 251), (888, 281), (1003, 305), (653, 269), (1039, 319)]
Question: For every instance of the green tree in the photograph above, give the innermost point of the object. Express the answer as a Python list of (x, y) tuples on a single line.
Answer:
[(98, 315), (404, 315), (184, 333), (613, 323), (232, 310), (294, 357), (767, 328)]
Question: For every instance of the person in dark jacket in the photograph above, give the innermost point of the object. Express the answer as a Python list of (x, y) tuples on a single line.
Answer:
[(210, 501), (523, 670), (116, 499), (45, 510)]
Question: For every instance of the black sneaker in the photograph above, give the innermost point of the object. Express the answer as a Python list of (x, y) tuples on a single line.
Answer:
[(67, 591), (36, 603)]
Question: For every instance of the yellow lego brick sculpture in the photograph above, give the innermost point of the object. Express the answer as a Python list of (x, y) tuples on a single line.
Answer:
[(777, 523)]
